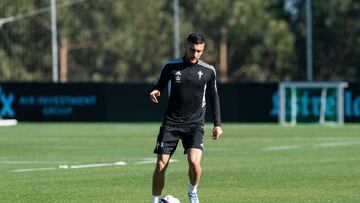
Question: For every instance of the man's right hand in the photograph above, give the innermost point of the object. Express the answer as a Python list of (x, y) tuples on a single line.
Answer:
[(153, 95)]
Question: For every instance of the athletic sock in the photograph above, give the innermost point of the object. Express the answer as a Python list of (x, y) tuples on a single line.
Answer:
[(156, 199), (192, 189)]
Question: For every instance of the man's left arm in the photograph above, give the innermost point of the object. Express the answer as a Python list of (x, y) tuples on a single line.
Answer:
[(215, 106)]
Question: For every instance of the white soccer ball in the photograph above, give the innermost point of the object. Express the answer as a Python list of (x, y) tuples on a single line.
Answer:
[(170, 199)]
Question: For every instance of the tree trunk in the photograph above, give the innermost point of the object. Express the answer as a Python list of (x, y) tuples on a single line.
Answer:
[(223, 56), (64, 50)]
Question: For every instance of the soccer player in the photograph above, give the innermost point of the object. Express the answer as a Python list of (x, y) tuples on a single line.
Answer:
[(190, 83)]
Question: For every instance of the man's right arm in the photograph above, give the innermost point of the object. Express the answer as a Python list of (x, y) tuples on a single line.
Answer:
[(160, 84)]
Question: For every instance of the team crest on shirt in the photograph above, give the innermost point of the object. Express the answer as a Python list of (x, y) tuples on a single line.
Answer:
[(178, 77), (200, 74)]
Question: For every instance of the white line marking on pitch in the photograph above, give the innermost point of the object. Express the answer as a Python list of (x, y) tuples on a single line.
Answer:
[(68, 166), (119, 163), (32, 162), (334, 144), (64, 166), (33, 169), (327, 144), (281, 148), (152, 161)]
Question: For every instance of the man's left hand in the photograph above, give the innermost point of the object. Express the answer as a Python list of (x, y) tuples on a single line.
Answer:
[(217, 132)]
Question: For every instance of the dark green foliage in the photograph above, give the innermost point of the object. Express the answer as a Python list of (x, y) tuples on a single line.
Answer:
[(129, 40)]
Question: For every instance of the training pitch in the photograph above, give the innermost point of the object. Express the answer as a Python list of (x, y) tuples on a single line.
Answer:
[(98, 162)]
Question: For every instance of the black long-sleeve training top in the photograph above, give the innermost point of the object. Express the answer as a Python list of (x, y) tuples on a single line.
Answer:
[(189, 87)]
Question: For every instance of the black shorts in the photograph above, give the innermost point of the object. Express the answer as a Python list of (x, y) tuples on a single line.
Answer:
[(169, 137)]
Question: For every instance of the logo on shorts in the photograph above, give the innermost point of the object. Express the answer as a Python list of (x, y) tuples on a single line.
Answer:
[(159, 145)]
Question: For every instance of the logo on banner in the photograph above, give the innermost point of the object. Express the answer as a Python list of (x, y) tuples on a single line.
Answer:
[(6, 101), (309, 105)]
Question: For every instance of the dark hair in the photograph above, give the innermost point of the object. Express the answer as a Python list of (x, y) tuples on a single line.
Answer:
[(195, 38)]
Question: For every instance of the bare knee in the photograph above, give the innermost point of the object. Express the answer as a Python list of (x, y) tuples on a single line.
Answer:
[(194, 159), (161, 166), (195, 165)]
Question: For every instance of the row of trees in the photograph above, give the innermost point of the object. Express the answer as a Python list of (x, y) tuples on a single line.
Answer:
[(129, 40)]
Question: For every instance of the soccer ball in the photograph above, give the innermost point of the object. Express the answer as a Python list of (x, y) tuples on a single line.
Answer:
[(170, 199)]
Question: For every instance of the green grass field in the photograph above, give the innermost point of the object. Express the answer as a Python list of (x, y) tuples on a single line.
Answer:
[(250, 163)]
